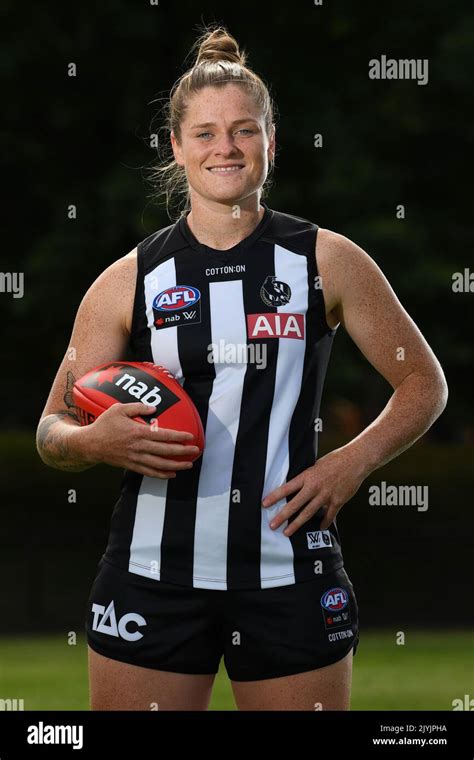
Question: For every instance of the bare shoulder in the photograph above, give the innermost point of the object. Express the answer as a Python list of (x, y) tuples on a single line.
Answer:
[(116, 287), (342, 265)]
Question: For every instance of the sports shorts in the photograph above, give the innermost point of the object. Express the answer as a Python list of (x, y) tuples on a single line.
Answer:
[(260, 633)]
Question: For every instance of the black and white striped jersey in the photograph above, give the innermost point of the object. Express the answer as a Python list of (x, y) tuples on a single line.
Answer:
[(244, 331)]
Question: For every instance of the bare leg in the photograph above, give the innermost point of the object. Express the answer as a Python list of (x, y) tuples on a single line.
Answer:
[(117, 685), (327, 688)]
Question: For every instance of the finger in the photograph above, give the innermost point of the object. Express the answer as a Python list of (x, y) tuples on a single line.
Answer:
[(329, 515), (158, 433), (151, 473), (160, 448), (162, 463), (135, 408), (302, 517), (283, 490), (298, 502)]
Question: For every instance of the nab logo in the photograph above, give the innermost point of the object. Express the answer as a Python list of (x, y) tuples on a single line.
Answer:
[(177, 297), (335, 599), (272, 325), (105, 621), (137, 388)]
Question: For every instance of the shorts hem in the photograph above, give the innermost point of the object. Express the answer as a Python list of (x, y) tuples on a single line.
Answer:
[(130, 661), (294, 669)]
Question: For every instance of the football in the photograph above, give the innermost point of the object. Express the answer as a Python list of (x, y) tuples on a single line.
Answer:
[(152, 384)]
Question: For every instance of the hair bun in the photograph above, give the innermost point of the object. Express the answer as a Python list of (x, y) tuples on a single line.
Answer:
[(219, 45)]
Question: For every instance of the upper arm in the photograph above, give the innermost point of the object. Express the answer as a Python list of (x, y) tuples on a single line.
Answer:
[(101, 329), (360, 297)]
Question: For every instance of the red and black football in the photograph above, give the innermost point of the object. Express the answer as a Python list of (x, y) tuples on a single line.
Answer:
[(152, 384)]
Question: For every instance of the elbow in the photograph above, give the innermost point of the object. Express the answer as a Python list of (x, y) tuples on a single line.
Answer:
[(438, 392)]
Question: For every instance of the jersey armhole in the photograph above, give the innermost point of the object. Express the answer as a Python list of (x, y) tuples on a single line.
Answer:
[(331, 330), (137, 301)]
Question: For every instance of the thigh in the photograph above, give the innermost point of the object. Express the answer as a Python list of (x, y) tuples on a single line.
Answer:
[(292, 646), (116, 685), (152, 645), (327, 688)]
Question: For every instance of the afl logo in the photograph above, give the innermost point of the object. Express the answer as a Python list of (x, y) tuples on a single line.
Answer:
[(275, 292), (177, 297), (335, 599)]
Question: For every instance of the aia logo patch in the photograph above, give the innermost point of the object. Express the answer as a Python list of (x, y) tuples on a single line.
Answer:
[(271, 325), (175, 306)]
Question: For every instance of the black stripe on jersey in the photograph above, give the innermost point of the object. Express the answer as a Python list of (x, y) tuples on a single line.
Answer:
[(248, 475), (123, 519), (303, 439)]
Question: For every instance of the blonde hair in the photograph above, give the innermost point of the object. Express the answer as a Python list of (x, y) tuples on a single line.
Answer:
[(219, 61)]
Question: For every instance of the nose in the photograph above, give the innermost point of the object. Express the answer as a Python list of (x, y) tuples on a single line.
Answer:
[(226, 145)]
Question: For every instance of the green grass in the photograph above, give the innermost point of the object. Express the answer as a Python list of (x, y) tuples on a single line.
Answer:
[(427, 673)]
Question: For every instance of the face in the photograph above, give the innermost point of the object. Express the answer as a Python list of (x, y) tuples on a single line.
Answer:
[(223, 127)]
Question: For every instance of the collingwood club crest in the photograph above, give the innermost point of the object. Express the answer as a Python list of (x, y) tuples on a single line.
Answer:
[(275, 292)]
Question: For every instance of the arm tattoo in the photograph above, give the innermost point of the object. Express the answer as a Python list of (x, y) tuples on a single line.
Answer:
[(53, 444), (68, 397)]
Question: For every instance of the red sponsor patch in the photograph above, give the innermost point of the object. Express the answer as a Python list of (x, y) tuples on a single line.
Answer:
[(274, 325)]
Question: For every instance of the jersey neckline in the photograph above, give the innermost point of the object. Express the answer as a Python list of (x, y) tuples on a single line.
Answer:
[(229, 253)]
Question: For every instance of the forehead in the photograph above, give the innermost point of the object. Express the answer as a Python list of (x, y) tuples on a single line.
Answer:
[(225, 104)]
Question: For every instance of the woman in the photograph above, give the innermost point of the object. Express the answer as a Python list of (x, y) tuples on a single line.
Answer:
[(259, 295)]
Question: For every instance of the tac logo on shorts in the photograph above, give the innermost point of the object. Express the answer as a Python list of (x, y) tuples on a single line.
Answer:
[(318, 539), (335, 608), (175, 306), (105, 621)]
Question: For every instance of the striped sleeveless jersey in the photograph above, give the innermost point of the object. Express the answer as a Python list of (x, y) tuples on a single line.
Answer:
[(244, 331)]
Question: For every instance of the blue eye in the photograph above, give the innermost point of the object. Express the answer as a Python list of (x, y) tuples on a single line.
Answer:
[(250, 131)]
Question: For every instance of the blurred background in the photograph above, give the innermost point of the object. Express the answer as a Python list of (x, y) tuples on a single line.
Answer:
[(85, 140)]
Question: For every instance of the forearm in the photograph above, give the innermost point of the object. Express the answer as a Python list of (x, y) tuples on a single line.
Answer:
[(60, 441), (411, 410)]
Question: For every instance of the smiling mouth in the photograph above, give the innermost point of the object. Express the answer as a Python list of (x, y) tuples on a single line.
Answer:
[(225, 169)]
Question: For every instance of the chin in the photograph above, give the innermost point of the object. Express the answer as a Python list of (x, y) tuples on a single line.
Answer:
[(227, 198)]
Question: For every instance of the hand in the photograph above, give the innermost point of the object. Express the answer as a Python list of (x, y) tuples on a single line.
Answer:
[(330, 482), (115, 438)]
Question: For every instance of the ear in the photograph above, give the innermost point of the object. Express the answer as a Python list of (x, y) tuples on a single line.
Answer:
[(271, 145), (177, 152)]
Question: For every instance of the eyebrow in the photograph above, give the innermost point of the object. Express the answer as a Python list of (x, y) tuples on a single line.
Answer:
[(212, 124)]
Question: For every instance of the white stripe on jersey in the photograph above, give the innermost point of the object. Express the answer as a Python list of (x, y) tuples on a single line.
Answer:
[(213, 499), (276, 549), (145, 549)]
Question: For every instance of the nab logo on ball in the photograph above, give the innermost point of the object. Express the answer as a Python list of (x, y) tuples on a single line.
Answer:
[(335, 599), (135, 385), (176, 306)]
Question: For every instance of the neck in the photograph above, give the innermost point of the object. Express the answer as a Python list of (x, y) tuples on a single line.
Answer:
[(221, 226)]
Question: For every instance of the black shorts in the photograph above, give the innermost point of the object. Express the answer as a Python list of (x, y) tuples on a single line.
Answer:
[(261, 633)]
